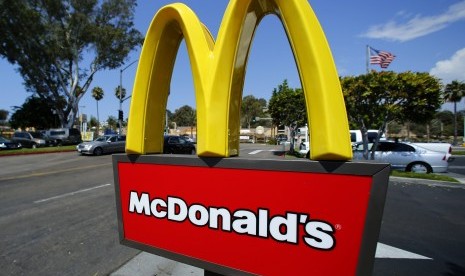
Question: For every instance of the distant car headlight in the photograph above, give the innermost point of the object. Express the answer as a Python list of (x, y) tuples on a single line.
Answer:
[(87, 147), (2, 145)]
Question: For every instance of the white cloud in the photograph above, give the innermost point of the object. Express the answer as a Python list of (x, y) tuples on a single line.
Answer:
[(451, 69), (417, 26)]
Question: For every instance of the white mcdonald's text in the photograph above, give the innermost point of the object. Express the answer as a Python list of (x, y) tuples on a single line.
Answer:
[(282, 228)]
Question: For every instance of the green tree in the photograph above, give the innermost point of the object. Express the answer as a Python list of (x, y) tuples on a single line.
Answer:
[(251, 107), (118, 91), (58, 46), (112, 122), (446, 123), (93, 122), (287, 107), (185, 116), (168, 121), (97, 94), (454, 92), (35, 112), (3, 116), (374, 99)]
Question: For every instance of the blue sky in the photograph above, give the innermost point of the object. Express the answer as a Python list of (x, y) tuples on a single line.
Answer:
[(425, 36)]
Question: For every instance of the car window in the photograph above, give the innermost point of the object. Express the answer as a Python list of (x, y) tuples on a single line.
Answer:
[(403, 147), (372, 136), (353, 137), (122, 138), (182, 140), (359, 147), (173, 140), (37, 135), (385, 147), (23, 135), (73, 131), (113, 139)]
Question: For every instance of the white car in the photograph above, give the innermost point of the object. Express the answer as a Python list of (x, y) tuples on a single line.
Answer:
[(406, 157)]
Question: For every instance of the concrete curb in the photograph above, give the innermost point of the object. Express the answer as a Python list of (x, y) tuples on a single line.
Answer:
[(407, 180), (146, 264)]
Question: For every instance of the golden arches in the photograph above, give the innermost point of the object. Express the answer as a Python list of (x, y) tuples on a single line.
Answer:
[(219, 69)]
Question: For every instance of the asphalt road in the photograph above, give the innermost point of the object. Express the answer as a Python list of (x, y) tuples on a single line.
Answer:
[(458, 164), (57, 217), (428, 220)]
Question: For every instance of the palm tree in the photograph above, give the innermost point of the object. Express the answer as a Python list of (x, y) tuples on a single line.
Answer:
[(122, 90), (97, 93), (454, 92)]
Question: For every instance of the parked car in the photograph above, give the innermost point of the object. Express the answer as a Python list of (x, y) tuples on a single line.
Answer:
[(177, 145), (102, 145), (304, 147), (406, 157), (64, 136), (6, 144), (281, 138), (30, 139)]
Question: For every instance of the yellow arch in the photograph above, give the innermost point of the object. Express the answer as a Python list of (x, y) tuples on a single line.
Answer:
[(219, 70)]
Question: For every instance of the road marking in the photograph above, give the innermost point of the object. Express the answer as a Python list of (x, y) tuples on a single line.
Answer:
[(384, 251), (72, 193), (255, 151)]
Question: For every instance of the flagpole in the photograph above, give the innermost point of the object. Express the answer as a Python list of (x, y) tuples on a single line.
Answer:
[(368, 59)]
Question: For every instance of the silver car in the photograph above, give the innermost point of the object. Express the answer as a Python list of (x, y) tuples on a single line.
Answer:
[(103, 144), (406, 157)]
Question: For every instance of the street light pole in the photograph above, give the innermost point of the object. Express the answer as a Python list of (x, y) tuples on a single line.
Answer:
[(120, 111)]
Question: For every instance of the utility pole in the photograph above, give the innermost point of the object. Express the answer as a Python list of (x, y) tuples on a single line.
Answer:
[(121, 100)]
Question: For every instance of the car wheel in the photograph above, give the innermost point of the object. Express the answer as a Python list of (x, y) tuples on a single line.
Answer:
[(193, 152), (419, 167), (34, 146), (98, 151)]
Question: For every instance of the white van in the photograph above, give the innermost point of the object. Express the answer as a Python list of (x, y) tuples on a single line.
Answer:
[(356, 136), (65, 136)]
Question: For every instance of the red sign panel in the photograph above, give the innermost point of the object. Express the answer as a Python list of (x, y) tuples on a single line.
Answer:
[(254, 221)]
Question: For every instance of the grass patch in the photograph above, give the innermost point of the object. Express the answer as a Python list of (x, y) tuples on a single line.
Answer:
[(429, 176), (458, 152), (37, 150)]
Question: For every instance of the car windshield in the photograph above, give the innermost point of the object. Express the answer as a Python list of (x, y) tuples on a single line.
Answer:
[(37, 135), (102, 138), (2, 139)]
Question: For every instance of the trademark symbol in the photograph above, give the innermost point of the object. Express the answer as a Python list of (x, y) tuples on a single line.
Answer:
[(338, 226)]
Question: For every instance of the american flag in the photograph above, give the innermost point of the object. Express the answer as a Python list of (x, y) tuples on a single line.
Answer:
[(380, 57)]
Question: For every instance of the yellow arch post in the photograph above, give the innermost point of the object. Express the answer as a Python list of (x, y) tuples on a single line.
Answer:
[(219, 70)]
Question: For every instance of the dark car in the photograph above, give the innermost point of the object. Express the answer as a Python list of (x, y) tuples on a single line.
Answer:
[(30, 139), (177, 145), (6, 144)]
